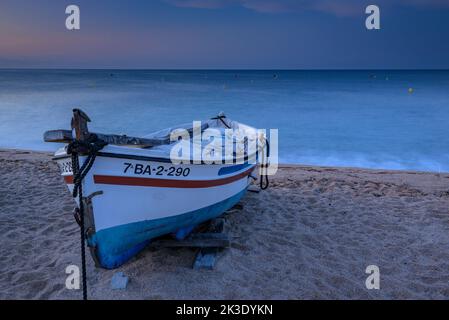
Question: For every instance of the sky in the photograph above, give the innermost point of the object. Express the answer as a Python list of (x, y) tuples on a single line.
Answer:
[(225, 34)]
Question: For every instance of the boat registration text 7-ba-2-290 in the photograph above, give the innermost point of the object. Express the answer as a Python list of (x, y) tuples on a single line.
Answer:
[(148, 170), (139, 169)]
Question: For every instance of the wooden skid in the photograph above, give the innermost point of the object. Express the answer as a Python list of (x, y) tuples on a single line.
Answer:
[(206, 258), (202, 240), (209, 244)]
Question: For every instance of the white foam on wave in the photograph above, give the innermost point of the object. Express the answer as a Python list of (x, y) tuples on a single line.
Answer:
[(369, 162)]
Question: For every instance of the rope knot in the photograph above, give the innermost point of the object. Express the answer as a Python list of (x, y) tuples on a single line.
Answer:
[(90, 147)]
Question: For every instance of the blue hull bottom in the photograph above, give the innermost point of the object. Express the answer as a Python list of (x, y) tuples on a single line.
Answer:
[(115, 246)]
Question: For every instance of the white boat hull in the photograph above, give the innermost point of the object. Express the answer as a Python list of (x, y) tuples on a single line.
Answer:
[(139, 197)]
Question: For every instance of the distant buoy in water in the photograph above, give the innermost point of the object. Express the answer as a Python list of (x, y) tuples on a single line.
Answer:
[(410, 90), (275, 76)]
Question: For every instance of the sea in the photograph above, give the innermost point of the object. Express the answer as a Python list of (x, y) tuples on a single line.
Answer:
[(386, 119)]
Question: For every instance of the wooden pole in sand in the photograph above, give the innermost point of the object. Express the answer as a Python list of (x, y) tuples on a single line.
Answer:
[(79, 126)]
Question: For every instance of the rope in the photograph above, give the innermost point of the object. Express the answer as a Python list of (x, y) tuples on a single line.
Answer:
[(221, 117), (264, 182), (91, 147)]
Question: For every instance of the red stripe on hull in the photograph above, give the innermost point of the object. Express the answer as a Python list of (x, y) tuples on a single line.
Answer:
[(162, 183), (68, 179)]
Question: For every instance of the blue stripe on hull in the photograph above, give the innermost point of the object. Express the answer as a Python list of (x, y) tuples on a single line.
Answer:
[(232, 169), (115, 246)]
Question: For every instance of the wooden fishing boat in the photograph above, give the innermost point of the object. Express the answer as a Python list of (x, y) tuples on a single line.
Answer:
[(133, 190)]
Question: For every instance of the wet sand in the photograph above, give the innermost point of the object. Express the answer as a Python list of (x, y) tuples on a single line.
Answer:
[(310, 236)]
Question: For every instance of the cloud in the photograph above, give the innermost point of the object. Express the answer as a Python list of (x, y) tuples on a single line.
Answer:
[(342, 8), (264, 6), (429, 3), (201, 4), (337, 8)]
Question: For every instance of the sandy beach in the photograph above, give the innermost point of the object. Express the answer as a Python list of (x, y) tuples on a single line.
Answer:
[(310, 236)]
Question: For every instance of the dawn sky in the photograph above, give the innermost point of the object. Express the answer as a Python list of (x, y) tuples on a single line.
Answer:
[(225, 34)]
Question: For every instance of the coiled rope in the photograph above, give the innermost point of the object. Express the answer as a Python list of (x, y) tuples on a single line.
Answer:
[(75, 148), (264, 182)]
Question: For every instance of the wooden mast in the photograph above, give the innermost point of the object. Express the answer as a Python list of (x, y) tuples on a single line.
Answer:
[(79, 125)]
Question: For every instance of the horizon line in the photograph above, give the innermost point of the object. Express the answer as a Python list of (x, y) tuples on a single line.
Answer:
[(225, 69)]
